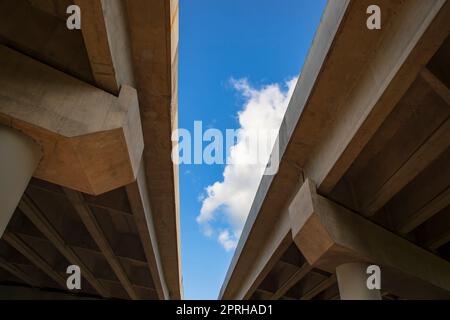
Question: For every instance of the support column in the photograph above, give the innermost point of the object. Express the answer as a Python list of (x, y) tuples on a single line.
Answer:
[(352, 282), (19, 157)]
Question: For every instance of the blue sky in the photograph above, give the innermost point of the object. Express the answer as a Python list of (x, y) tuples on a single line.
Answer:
[(262, 41)]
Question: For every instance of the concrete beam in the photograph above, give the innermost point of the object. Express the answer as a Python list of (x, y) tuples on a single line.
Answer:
[(436, 84), (274, 192), (428, 152), (435, 232), (33, 213), (329, 235), (15, 271), (28, 252), (55, 8), (413, 32), (52, 42), (325, 284), (344, 60), (292, 281), (153, 36), (104, 26), (97, 234), (92, 141), (267, 253), (143, 216)]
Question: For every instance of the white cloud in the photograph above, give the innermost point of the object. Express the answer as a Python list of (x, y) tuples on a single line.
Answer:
[(228, 202), (228, 241)]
